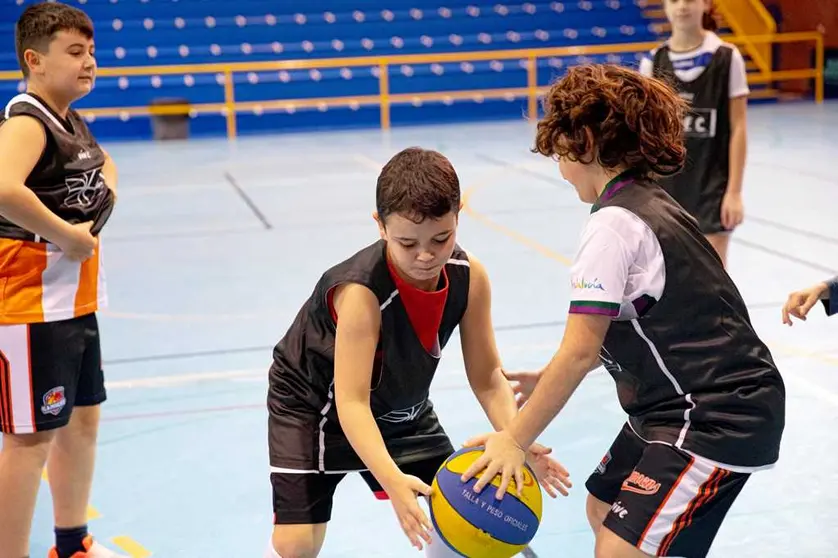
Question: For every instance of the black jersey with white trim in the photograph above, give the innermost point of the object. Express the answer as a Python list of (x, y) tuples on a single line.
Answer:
[(689, 367), (68, 177), (707, 134), (306, 435)]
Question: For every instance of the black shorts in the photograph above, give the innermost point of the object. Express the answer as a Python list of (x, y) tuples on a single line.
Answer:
[(663, 501), (306, 498), (46, 369)]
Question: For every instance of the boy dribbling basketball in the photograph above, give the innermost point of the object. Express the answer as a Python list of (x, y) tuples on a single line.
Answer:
[(350, 380)]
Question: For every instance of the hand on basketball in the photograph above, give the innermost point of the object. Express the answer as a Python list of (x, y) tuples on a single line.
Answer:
[(412, 518), (551, 475), (800, 302), (523, 384), (733, 211), (502, 456)]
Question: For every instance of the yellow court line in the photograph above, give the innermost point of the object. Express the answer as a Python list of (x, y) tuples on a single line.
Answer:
[(516, 236), (131, 547)]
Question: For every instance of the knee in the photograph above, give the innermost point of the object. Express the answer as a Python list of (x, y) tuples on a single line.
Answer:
[(596, 510), (84, 424), (28, 447), (294, 541)]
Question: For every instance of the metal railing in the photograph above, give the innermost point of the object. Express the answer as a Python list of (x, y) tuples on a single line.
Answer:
[(750, 17), (384, 99)]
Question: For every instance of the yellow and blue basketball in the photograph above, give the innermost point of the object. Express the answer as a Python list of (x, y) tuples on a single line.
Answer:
[(479, 525)]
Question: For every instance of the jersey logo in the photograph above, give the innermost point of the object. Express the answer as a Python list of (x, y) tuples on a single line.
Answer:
[(700, 123), (403, 415), (84, 189), (609, 363), (641, 484)]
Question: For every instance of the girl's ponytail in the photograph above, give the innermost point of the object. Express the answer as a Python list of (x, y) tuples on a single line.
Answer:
[(709, 20)]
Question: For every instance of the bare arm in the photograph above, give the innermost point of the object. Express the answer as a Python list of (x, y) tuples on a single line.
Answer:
[(22, 142), (577, 355), (480, 351), (359, 323), (738, 144)]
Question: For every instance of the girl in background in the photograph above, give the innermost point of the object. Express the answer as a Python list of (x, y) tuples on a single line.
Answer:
[(710, 74)]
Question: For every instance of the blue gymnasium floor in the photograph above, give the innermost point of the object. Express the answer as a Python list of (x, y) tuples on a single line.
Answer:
[(201, 290)]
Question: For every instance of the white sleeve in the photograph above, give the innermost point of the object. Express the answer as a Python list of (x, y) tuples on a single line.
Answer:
[(647, 65), (600, 272), (738, 75)]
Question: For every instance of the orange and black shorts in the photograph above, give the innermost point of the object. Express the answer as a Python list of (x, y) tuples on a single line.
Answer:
[(663, 500)]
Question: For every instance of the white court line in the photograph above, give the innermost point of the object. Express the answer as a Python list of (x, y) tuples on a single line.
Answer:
[(174, 380), (811, 388)]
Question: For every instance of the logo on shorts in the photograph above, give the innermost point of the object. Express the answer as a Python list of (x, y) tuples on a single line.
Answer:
[(603, 464), (54, 401), (619, 510), (641, 484)]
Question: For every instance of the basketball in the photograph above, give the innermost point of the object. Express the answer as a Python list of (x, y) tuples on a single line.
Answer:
[(479, 524)]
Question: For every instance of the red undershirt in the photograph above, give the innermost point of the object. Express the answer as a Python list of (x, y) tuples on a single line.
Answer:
[(424, 308)]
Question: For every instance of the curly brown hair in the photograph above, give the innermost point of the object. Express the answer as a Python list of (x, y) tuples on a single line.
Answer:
[(635, 122)]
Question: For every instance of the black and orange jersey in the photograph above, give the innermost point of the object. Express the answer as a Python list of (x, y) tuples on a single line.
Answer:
[(39, 283)]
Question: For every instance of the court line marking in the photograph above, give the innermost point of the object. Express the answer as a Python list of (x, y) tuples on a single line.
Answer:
[(248, 201), (130, 546)]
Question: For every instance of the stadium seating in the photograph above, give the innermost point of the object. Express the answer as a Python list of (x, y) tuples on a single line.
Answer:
[(166, 32)]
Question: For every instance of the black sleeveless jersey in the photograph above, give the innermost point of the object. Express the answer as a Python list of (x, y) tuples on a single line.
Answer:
[(691, 371), (700, 186), (67, 178), (305, 434)]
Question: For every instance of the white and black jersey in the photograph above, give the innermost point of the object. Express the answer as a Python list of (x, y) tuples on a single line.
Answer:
[(689, 367), (708, 78), (305, 434)]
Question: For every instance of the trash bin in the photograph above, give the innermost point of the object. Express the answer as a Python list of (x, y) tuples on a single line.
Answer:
[(169, 118)]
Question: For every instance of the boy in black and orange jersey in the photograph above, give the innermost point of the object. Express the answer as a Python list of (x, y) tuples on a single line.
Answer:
[(57, 189)]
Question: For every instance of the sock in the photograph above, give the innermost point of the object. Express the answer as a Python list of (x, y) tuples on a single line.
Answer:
[(69, 541), (271, 552)]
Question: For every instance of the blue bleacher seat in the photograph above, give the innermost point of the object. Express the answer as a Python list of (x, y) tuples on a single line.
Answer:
[(167, 32)]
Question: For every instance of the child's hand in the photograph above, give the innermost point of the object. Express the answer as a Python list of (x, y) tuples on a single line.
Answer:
[(523, 384), (800, 302), (733, 211), (78, 244), (403, 493)]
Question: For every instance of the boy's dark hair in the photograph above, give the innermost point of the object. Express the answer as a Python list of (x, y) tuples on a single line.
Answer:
[(633, 121), (39, 23), (417, 183)]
